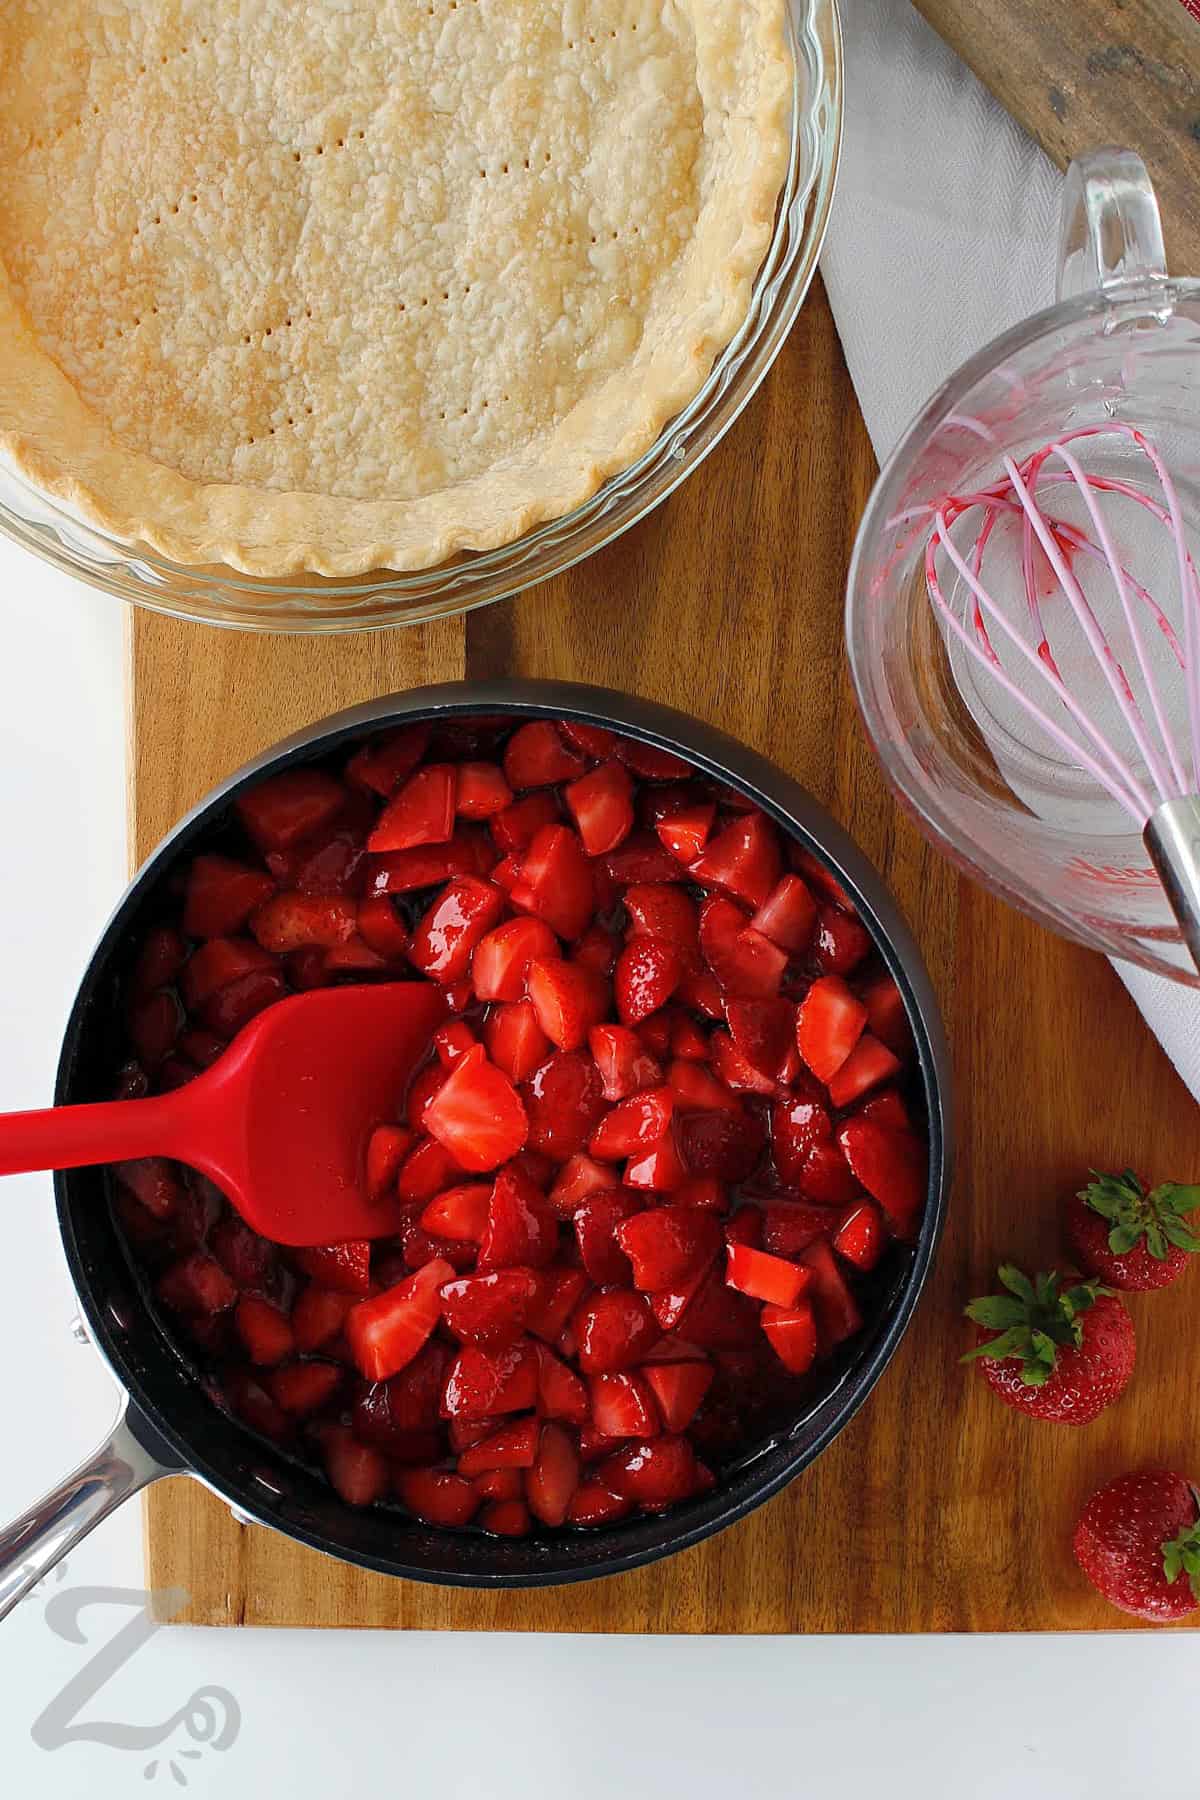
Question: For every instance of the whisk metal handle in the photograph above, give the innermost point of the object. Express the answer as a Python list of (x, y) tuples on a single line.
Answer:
[(1172, 838)]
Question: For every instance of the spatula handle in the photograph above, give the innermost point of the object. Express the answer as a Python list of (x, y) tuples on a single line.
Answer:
[(67, 1137)]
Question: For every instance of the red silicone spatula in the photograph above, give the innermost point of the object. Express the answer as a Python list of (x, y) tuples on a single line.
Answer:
[(280, 1122)]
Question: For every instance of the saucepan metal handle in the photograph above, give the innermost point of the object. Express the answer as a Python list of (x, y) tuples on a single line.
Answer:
[(121, 1466)]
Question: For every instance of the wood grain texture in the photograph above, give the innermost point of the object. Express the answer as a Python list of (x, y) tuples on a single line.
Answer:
[(937, 1509), (1095, 72)]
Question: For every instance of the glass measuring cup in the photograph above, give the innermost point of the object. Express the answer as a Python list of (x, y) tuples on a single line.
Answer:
[(1122, 345)]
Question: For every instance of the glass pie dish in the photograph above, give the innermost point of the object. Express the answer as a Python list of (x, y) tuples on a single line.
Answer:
[(220, 595)]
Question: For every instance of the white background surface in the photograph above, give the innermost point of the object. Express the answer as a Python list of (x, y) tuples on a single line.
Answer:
[(451, 1716)]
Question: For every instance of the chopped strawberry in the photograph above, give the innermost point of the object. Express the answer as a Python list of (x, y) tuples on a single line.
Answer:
[(733, 1069), (670, 1304), (868, 1064), (632, 1125), (745, 963), (597, 950), (480, 790), (578, 1178), (790, 1226), (478, 1116), (647, 973), (490, 1309), (654, 1035), (685, 833), (556, 882), (515, 1041), (218, 963), (358, 1473), (651, 763), (461, 916), (596, 1221), (318, 1316), (459, 1212), (595, 741), (641, 858), (763, 1276), (387, 1147), (561, 1394), (512, 1447), (701, 1190), (499, 1484), (763, 1031), (668, 1244), (387, 1413), (657, 909), (516, 827), (424, 1088), (565, 1104), (601, 803), (399, 872), (197, 1285), (285, 808), (718, 1317), (861, 1238), (521, 1229), (745, 1227), (888, 1016), (614, 1328), (625, 1068), (833, 1304), (426, 1170), (796, 1125), (437, 1496), (345, 1267), (725, 1144), (623, 1405), (201, 1047), (221, 895), (658, 1166), (387, 1332), (537, 757), (246, 1258), (158, 962), (654, 1472), (501, 960), (788, 915), (568, 1000), (792, 1334), (155, 1183), (381, 928), (505, 1518), (595, 1504), (552, 1482), (559, 1293), (678, 1390), (249, 1400), (485, 1383), (841, 942), (743, 859), (383, 763), (701, 990), (264, 1330), (451, 1042), (304, 1387), (828, 1025), (891, 1165), (696, 1090), (825, 1177), (886, 1108), (421, 813)]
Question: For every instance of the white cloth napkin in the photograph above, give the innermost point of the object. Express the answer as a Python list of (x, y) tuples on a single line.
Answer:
[(943, 234)]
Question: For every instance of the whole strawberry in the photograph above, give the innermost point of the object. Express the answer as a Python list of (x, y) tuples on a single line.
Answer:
[(1130, 1238), (1056, 1353), (1138, 1543)]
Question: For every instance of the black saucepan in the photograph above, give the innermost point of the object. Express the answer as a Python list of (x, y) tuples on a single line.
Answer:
[(169, 1425)]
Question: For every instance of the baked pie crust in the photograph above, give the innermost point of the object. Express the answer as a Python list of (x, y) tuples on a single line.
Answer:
[(358, 284)]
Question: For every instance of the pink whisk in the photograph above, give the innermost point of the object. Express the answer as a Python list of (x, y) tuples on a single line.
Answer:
[(1164, 800)]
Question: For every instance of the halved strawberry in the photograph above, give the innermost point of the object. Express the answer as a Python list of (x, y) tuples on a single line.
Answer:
[(868, 1064), (516, 827), (841, 942), (595, 1504), (743, 859), (625, 1067), (437, 1496), (790, 1226), (745, 963), (763, 1031), (459, 1212), (515, 1041), (478, 1116), (834, 1306), (632, 1125), (221, 895), (295, 804), (345, 1267), (501, 960), (653, 1472), (788, 915), (485, 1383), (647, 973), (658, 1166), (723, 1144), (763, 1276), (568, 999), (559, 1293), (387, 1332), (512, 1447), (658, 909), (265, 1331), (641, 858), (797, 1124), (668, 1244), (383, 763), (792, 1334), (685, 833), (536, 756), (387, 1147), (421, 813), (578, 1178), (891, 1165), (521, 1229), (505, 1518), (561, 1394), (358, 1473), (678, 1390), (614, 1328), (565, 1102), (556, 882), (461, 916), (467, 853), (301, 1388), (480, 790), (861, 1238), (828, 1025), (490, 1309), (601, 803), (596, 1221), (318, 1316), (552, 1482), (623, 1405)]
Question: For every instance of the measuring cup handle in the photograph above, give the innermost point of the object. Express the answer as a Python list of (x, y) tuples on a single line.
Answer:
[(1110, 232)]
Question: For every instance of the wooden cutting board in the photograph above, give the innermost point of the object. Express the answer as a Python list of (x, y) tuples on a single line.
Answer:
[(937, 1509)]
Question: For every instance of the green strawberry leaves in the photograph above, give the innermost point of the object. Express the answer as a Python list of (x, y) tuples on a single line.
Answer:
[(1033, 1319), (1181, 1556), (1135, 1214)]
